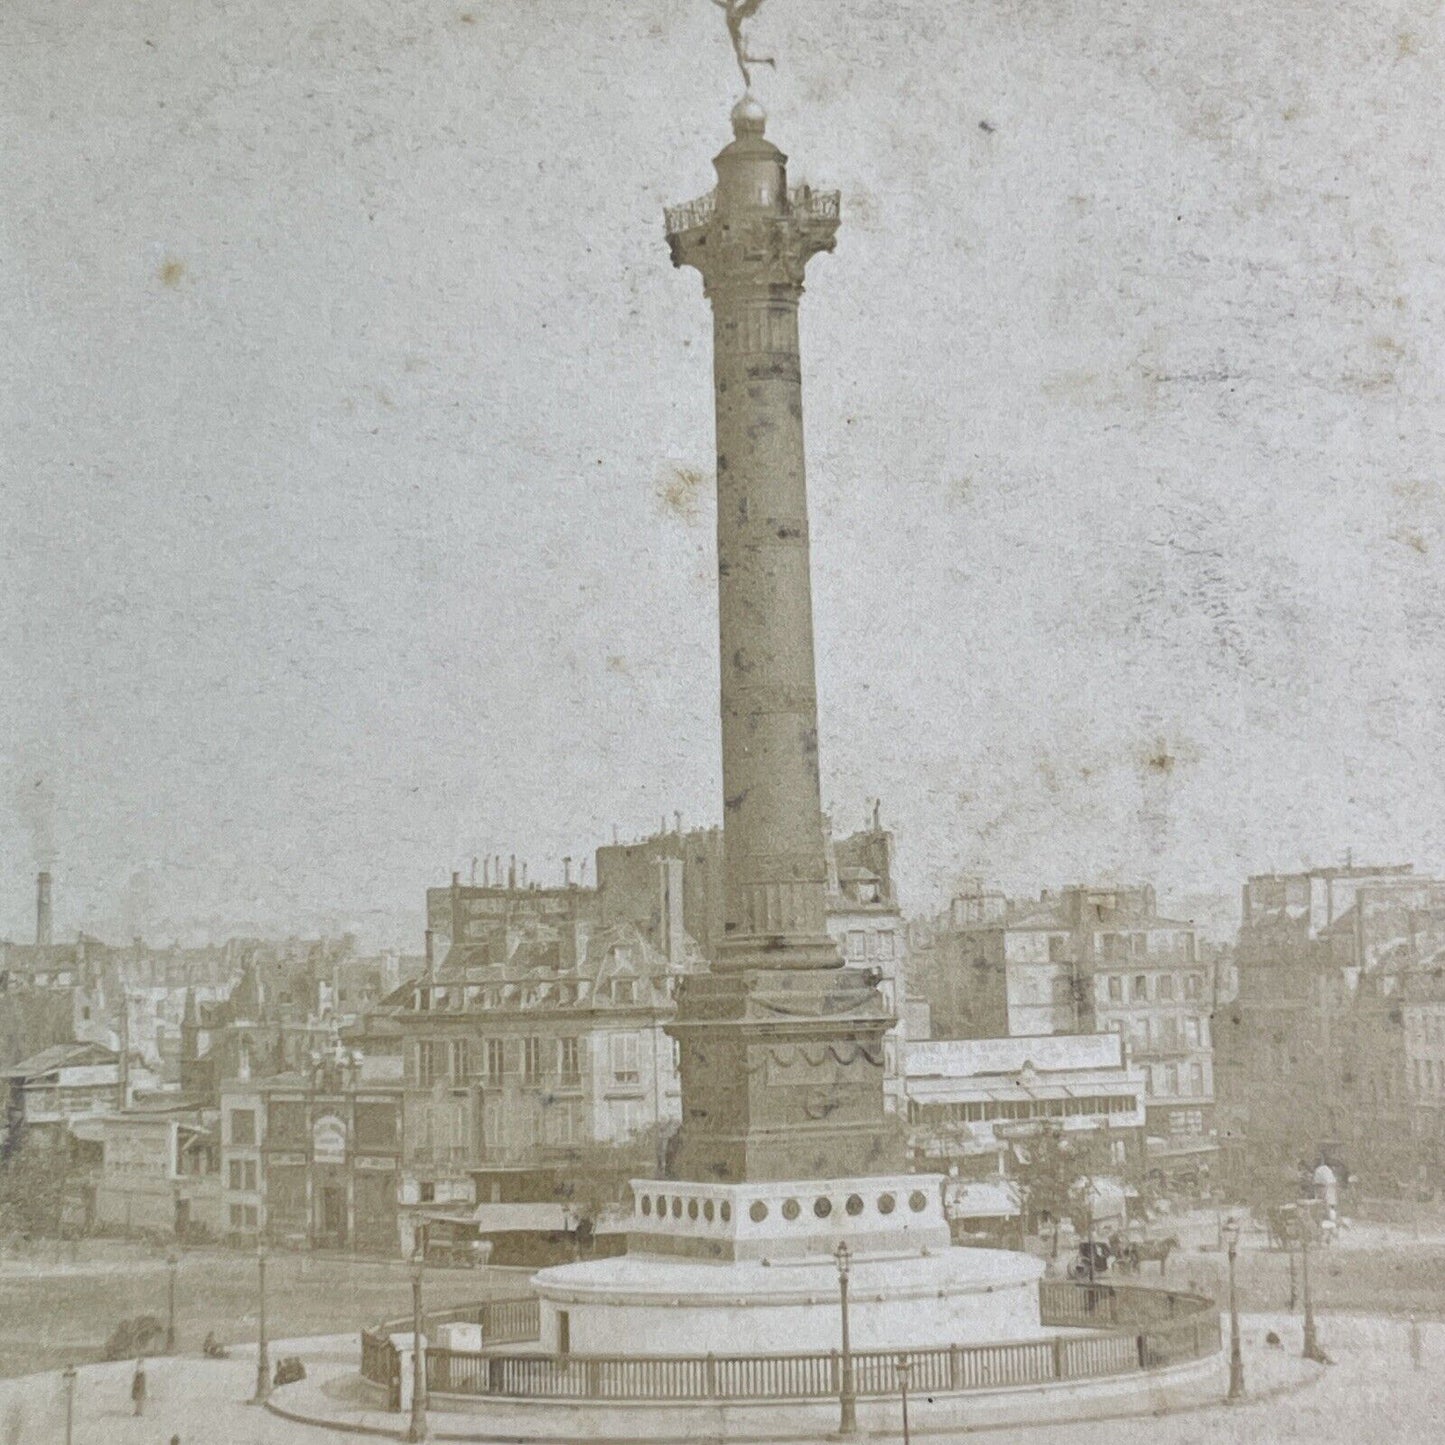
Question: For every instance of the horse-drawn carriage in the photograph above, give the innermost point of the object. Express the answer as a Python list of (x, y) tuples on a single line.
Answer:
[(1287, 1224), (1121, 1253)]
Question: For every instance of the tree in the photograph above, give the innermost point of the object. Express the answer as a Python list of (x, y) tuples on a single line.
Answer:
[(35, 1183), (1051, 1179)]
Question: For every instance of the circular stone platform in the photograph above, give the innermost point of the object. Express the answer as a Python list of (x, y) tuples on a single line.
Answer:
[(656, 1305)]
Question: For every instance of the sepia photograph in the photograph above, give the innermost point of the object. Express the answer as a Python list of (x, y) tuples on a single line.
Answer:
[(721, 720)]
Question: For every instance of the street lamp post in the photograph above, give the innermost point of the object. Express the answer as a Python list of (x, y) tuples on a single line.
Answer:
[(1311, 1349), (1293, 1294), (68, 1375), (417, 1429), (1236, 1357), (263, 1357), (847, 1400), (903, 1366), (171, 1263)]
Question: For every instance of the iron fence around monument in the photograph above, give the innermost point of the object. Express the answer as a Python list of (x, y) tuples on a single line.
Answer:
[(1122, 1329)]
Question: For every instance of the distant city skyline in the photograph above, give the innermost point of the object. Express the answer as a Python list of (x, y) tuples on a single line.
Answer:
[(358, 464)]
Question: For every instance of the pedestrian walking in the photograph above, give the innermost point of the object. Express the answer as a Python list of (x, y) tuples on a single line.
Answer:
[(138, 1387)]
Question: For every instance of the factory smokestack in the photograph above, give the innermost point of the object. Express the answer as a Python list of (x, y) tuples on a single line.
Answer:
[(44, 928)]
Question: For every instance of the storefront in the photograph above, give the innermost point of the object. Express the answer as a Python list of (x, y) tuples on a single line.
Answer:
[(330, 1155)]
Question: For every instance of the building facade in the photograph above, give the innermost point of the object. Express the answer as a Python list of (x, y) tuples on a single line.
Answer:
[(971, 1100), (51, 1090), (313, 1159), (1314, 1058), (160, 1172), (1085, 960)]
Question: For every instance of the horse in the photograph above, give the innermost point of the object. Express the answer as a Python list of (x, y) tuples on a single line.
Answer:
[(1148, 1250)]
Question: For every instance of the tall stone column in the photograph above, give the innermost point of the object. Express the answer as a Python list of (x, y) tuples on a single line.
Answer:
[(751, 240), (781, 1046)]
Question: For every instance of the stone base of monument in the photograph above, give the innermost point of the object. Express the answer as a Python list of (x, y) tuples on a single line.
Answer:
[(754, 1269), (650, 1306)]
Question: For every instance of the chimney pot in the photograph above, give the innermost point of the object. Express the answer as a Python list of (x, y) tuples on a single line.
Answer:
[(44, 925)]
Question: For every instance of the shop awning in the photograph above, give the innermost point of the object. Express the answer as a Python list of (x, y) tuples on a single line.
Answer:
[(982, 1199)]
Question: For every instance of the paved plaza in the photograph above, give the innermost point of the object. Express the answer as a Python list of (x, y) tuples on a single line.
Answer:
[(1372, 1392)]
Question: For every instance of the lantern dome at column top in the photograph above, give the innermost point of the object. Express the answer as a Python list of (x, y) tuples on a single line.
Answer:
[(748, 117)]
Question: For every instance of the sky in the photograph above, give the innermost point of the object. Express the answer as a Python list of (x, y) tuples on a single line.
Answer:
[(356, 442)]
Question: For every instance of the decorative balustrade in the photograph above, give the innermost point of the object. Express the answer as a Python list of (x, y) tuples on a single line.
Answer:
[(690, 214), (803, 201), (1123, 1329)]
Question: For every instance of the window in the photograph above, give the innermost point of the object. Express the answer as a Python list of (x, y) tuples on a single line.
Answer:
[(237, 1217), (1056, 947), (886, 944), (623, 991), (1141, 945), (1141, 987), (459, 1061), (857, 944), (626, 1118), (243, 1126), (625, 1068), (427, 1194), (1171, 1077), (431, 1062), (1116, 988), (1166, 985), (569, 1063), (288, 1123), (532, 1059), (1191, 1032), (235, 1175), (559, 1122), (494, 1057), (1193, 986), (376, 1126)]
